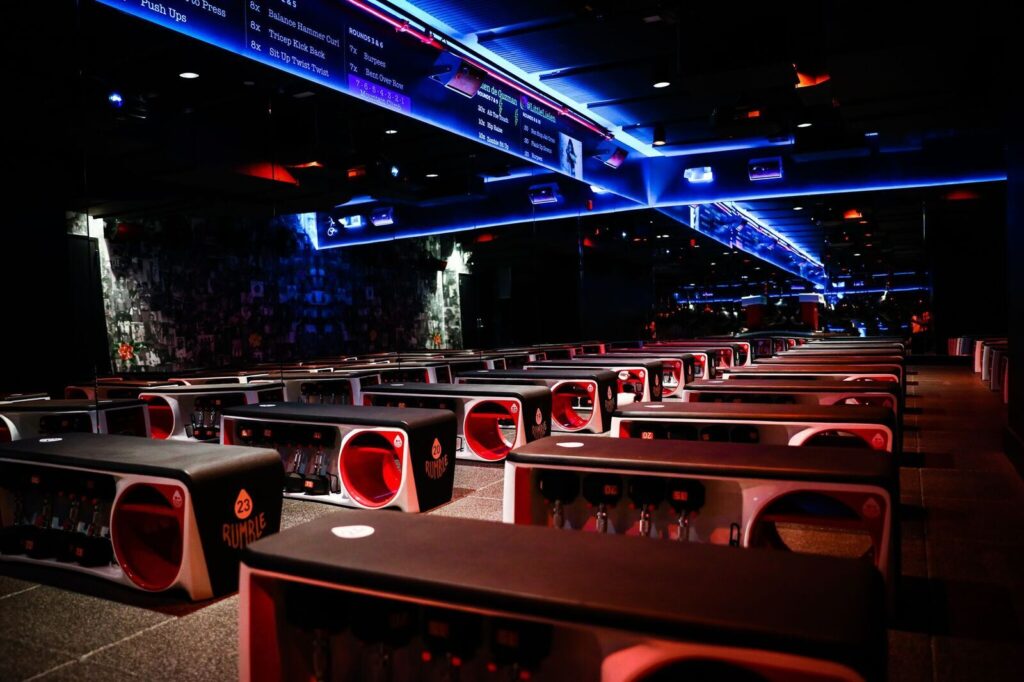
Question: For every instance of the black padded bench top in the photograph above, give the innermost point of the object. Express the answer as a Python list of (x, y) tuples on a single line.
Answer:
[(215, 388), (732, 460), (467, 390), (394, 417), (835, 359), (850, 414), (783, 385), (807, 605), (74, 405), (189, 462), (651, 363), (553, 373)]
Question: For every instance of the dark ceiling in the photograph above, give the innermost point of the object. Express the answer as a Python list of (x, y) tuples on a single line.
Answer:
[(906, 71), (903, 69)]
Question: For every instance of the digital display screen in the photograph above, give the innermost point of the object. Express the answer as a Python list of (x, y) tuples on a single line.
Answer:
[(339, 47)]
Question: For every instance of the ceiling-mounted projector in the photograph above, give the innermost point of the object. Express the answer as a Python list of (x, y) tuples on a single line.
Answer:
[(544, 194)]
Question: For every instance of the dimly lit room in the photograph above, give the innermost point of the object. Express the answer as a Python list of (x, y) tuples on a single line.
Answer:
[(476, 340)]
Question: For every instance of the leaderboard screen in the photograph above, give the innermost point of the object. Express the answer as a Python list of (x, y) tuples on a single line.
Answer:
[(340, 47)]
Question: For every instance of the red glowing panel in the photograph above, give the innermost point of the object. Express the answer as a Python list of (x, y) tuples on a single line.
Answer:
[(268, 171), (961, 195), (852, 214)]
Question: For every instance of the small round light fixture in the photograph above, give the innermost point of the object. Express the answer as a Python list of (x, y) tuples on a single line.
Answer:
[(798, 208), (805, 124), (661, 84), (188, 75), (390, 131), (659, 136), (431, 175)]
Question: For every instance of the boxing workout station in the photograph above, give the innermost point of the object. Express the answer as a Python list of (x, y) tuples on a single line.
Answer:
[(474, 340)]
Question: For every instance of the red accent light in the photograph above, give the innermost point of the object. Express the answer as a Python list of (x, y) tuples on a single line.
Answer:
[(268, 171), (357, 172), (754, 113), (456, 661), (806, 80), (425, 657), (308, 164), (852, 214), (588, 242), (484, 238), (492, 667), (961, 195), (524, 675)]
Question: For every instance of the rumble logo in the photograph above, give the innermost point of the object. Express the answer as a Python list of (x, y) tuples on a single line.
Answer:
[(248, 528), (438, 462)]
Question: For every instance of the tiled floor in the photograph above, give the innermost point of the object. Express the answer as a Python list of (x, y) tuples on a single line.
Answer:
[(961, 611)]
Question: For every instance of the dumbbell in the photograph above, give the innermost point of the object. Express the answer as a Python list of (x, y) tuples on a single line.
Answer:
[(294, 478), (318, 482), (560, 488), (602, 491), (519, 646), (646, 492), (452, 637), (385, 624), (685, 496)]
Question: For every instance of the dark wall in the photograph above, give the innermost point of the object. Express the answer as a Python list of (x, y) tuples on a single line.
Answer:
[(1015, 294), (967, 243), (538, 283)]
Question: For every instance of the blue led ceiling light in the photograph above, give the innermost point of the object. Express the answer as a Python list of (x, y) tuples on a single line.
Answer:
[(116, 100)]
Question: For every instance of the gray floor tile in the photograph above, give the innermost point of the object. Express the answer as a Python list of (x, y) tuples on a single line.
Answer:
[(295, 512), (494, 491), (910, 657), (10, 585), (472, 507), (475, 475), (88, 670), (70, 621), (20, 660), (200, 646)]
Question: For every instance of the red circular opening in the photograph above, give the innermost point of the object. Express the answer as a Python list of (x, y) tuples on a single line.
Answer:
[(813, 523), (371, 468), (146, 528), (835, 438), (490, 429), (572, 404), (161, 417)]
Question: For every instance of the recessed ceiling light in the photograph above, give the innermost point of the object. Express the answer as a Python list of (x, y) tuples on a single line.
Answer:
[(798, 208), (390, 131), (872, 133), (856, 255), (188, 75), (431, 175), (662, 84), (805, 124)]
